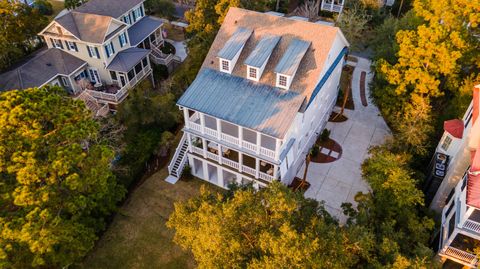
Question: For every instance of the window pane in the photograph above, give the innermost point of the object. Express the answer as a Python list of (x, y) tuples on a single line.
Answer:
[(113, 74), (138, 68), (145, 62), (131, 74)]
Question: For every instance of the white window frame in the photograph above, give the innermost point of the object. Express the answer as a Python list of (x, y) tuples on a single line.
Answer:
[(123, 39), (57, 43), (65, 81), (222, 67), (279, 79), (138, 14), (93, 52), (251, 69), (70, 45)]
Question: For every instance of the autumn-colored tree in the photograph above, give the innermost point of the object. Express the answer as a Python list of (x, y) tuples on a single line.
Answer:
[(20, 24), (71, 4), (56, 186), (270, 228)]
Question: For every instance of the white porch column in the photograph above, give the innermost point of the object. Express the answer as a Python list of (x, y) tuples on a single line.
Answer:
[(204, 144), (187, 117), (259, 143), (240, 161), (240, 136), (219, 129), (257, 167), (275, 171), (220, 177), (202, 122), (220, 154), (277, 148), (206, 176), (189, 138)]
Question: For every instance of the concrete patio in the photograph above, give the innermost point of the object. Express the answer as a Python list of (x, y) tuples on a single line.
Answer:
[(338, 182)]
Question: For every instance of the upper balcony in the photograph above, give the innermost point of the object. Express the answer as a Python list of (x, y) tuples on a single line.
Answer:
[(332, 5), (241, 138)]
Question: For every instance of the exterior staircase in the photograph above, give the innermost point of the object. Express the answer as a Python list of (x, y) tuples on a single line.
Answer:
[(175, 168), (98, 109)]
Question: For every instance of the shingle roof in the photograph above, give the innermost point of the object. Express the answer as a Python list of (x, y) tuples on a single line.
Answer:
[(142, 29), (321, 37), (292, 57), (238, 100), (40, 70), (235, 43), (111, 8), (262, 51), (87, 27), (125, 60)]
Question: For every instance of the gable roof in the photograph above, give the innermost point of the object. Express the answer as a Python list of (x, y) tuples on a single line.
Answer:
[(110, 8), (87, 27), (262, 51), (320, 36), (292, 57), (235, 43), (246, 102), (41, 69)]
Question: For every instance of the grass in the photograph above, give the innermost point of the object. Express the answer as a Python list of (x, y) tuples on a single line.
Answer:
[(57, 7), (138, 237)]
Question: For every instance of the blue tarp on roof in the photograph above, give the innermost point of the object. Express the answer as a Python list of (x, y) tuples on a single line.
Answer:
[(292, 57), (240, 101), (262, 51), (235, 43)]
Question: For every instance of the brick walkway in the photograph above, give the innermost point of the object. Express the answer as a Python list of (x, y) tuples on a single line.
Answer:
[(338, 182)]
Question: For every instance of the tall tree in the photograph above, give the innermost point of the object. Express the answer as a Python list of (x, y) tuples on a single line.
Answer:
[(20, 24), (56, 186), (270, 228), (71, 4)]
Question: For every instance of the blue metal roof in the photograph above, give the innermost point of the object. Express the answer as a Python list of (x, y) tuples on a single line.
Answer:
[(292, 57), (240, 101), (142, 29), (262, 51), (327, 75), (235, 43)]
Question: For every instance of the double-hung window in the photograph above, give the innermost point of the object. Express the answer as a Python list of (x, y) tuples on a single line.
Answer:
[(109, 49), (72, 46), (93, 52), (126, 19), (57, 43), (123, 39)]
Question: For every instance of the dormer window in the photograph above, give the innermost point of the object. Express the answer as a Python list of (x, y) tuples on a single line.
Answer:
[(282, 81), (252, 73), (225, 66)]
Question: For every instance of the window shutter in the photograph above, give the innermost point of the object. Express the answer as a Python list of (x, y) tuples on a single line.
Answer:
[(89, 52), (106, 51), (113, 48), (61, 44), (141, 11), (53, 43), (97, 52), (75, 45)]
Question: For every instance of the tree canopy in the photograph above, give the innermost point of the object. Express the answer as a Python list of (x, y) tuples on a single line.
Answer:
[(271, 228), (56, 186)]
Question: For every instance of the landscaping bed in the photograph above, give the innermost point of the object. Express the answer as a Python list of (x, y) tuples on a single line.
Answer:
[(346, 85), (335, 117)]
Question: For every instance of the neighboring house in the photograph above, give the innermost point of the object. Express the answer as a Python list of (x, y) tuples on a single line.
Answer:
[(97, 52), (261, 98), (458, 195), (332, 5)]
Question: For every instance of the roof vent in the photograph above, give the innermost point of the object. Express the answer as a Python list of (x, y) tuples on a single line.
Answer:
[(233, 47), (290, 61), (257, 60)]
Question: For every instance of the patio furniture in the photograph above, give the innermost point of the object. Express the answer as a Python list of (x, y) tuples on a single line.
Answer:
[(263, 164), (270, 171)]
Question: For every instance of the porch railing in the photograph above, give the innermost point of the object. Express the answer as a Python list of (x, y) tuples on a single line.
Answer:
[(195, 126), (266, 177), (332, 7), (229, 138), (472, 226), (198, 151), (249, 146), (249, 170), (211, 132), (230, 163), (267, 152), (212, 156)]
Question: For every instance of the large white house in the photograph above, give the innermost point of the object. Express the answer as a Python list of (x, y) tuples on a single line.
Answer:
[(261, 98), (97, 52), (456, 185)]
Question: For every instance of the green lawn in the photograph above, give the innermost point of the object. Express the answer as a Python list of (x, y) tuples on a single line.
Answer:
[(138, 238)]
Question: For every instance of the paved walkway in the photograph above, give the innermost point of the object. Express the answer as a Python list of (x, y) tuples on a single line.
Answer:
[(180, 49), (338, 182)]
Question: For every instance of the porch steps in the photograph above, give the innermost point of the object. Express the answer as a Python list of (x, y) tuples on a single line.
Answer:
[(175, 168), (99, 110)]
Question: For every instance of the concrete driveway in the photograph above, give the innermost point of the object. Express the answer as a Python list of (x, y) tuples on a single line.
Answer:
[(338, 182)]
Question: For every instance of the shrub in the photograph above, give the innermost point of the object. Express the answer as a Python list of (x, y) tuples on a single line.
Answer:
[(325, 135), (162, 8), (314, 151), (187, 172), (44, 7)]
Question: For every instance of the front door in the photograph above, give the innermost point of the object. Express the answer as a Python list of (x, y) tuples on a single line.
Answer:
[(123, 79)]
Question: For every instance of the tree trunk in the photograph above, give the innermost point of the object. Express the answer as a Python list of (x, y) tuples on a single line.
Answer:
[(400, 9), (304, 179), (345, 98), (277, 6)]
